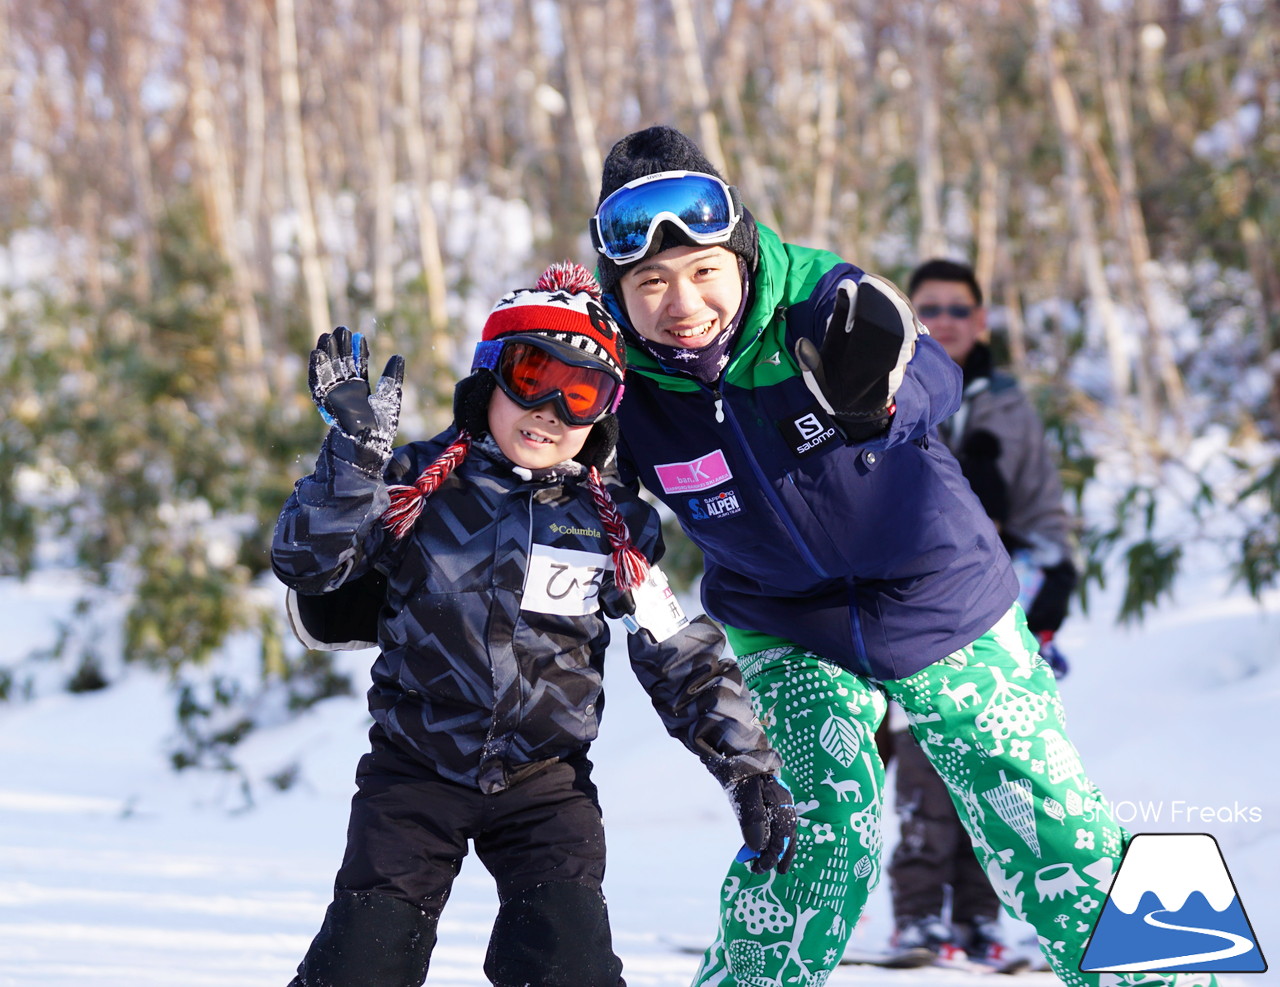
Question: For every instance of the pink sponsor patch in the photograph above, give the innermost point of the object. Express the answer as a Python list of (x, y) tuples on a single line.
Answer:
[(697, 474)]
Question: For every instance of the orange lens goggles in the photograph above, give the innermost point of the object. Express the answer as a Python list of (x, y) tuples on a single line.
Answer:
[(532, 376)]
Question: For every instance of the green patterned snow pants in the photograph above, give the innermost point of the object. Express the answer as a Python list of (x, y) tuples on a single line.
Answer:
[(990, 720)]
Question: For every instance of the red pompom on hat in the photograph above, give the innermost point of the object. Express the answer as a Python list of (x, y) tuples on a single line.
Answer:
[(565, 306)]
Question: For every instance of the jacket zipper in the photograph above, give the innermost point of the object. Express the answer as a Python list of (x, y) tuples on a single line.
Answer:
[(723, 413), (500, 733), (860, 646)]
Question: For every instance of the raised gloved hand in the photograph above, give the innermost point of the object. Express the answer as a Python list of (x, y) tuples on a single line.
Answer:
[(870, 337), (767, 814), (339, 379)]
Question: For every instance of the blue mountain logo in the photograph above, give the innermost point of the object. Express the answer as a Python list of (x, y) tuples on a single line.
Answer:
[(1173, 908)]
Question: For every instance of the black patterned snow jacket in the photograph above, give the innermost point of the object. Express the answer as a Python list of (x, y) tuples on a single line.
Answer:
[(493, 635)]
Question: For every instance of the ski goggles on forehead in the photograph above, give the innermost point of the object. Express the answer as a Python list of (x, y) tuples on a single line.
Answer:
[(532, 372), (704, 207)]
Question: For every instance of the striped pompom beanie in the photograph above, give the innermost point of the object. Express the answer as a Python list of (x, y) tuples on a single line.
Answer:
[(564, 305)]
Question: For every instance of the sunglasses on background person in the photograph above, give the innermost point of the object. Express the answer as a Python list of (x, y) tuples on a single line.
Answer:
[(954, 311), (704, 207), (534, 370)]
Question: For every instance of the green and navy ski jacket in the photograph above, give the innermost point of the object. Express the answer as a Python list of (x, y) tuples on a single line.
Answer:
[(876, 555)]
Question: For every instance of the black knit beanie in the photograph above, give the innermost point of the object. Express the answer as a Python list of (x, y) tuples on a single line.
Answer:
[(647, 152)]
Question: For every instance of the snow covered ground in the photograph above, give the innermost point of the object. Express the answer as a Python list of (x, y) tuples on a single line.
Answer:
[(114, 871)]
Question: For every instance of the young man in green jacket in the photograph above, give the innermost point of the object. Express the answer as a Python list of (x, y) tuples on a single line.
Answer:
[(782, 403)]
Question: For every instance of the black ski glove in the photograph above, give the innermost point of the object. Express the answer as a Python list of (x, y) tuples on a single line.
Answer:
[(1049, 609), (870, 337), (339, 379), (767, 814)]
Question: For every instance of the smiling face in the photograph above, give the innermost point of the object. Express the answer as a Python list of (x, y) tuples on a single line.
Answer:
[(534, 438), (942, 299), (684, 296)]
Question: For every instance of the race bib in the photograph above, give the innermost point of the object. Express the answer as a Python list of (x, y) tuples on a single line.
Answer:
[(657, 609), (563, 581)]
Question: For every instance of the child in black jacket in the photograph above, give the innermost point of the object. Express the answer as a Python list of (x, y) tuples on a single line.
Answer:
[(490, 602)]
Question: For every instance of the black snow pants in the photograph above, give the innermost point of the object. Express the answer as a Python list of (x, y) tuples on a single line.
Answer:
[(542, 839), (934, 851)]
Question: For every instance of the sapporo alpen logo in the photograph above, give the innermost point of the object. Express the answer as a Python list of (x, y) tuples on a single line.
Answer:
[(1173, 908)]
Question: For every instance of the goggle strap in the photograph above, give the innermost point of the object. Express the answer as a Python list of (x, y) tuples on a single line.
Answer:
[(488, 353)]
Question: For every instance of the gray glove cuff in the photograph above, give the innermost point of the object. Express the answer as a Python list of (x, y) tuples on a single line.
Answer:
[(367, 458), (728, 771)]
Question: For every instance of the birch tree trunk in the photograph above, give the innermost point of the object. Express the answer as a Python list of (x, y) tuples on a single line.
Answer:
[(584, 127), (929, 174), (861, 208), (86, 208), (217, 192), (1105, 178), (1133, 230), (1067, 117), (824, 179), (127, 49), (450, 99), (296, 169), (7, 70), (1011, 295), (613, 71), (544, 103), (253, 174), (1262, 66), (988, 219), (415, 143), (379, 145), (731, 74), (90, 216), (8, 186), (695, 78)]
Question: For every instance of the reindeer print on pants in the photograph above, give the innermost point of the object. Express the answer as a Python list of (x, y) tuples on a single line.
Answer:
[(990, 721)]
